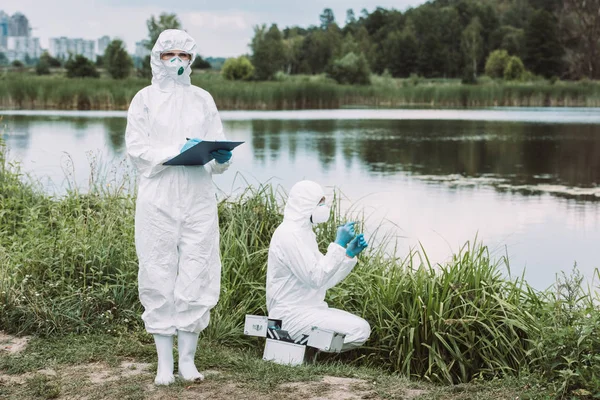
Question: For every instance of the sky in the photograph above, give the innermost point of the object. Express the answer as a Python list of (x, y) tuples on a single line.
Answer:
[(221, 28)]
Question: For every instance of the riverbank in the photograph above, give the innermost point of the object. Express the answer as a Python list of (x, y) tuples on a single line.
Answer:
[(27, 91), (68, 267)]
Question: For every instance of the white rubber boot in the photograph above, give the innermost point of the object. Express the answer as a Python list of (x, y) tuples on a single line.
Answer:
[(186, 343), (164, 349)]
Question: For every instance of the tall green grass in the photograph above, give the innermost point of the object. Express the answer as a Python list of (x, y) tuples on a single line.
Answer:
[(24, 91), (68, 265)]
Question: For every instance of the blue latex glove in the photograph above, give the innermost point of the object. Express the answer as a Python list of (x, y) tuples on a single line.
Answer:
[(222, 156), (345, 234), (190, 143), (357, 245)]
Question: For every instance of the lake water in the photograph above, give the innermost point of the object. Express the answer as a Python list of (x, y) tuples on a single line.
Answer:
[(524, 181)]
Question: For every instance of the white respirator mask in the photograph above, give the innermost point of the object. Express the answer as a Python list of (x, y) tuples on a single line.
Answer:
[(320, 214), (175, 67)]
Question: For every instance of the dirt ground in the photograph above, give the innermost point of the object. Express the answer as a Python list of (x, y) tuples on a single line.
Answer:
[(134, 380)]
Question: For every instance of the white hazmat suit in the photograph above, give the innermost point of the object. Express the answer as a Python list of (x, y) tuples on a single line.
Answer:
[(176, 224), (298, 274)]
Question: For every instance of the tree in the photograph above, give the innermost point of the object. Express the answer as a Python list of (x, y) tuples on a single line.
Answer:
[(51, 61), (17, 64), (100, 61), (327, 18), (496, 63), (237, 69), (268, 51), (156, 26), (42, 67), (351, 69), (472, 45), (3, 59), (81, 67), (582, 31), (544, 51), (402, 52), (200, 63), (118, 62), (350, 17), (514, 69)]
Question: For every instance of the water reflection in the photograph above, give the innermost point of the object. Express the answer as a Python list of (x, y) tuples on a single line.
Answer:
[(518, 155)]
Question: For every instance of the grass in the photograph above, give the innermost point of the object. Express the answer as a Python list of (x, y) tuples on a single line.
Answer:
[(68, 267), (75, 356), (27, 91)]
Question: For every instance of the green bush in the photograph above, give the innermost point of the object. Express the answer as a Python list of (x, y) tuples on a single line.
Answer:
[(351, 69), (238, 69), (42, 68), (496, 63), (514, 69), (81, 67), (568, 347)]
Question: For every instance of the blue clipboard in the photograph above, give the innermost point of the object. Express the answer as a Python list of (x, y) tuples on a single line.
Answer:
[(199, 154)]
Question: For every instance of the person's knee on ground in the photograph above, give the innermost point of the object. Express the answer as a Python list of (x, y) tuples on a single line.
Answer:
[(358, 335)]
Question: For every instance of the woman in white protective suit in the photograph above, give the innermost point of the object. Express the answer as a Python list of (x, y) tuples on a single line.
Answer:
[(298, 275), (176, 224)]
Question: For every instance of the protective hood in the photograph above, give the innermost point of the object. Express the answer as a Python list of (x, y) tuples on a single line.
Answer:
[(171, 39), (302, 201)]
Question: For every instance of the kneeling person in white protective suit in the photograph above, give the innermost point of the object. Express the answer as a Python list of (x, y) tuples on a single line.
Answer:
[(176, 224), (298, 275)]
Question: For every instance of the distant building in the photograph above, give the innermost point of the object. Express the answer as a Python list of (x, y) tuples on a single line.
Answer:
[(15, 38), (4, 18), (18, 25), (23, 47), (63, 47), (103, 43)]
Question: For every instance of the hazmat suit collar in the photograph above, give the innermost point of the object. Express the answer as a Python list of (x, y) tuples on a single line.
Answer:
[(171, 39), (304, 197)]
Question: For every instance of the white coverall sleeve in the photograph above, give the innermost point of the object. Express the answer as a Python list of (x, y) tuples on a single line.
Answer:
[(147, 159), (215, 132), (341, 274), (313, 271)]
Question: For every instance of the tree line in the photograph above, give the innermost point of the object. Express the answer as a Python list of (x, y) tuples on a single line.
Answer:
[(440, 39)]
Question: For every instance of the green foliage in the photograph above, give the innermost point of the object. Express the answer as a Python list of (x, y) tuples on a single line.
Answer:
[(496, 63), (472, 45), (17, 64), (514, 69), (543, 46), (117, 61), (50, 61), (239, 68), (81, 67), (268, 52), (42, 68), (402, 52), (567, 351), (3, 59), (200, 63), (351, 69), (327, 18), (156, 26)]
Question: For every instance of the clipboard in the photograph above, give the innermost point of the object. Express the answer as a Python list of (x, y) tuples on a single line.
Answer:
[(199, 154)]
